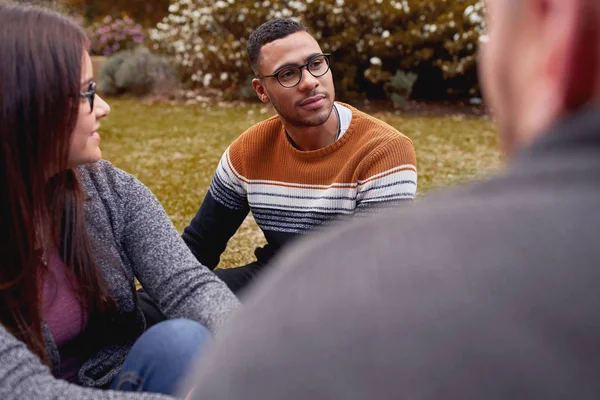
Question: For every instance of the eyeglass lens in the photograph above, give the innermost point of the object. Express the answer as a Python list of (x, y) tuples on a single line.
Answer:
[(290, 76)]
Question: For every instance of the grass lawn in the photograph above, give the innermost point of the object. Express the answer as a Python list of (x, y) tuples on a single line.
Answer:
[(174, 150)]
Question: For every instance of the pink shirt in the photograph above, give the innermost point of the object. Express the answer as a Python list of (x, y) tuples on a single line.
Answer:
[(64, 314)]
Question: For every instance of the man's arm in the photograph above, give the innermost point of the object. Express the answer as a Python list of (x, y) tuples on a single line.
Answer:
[(388, 177), (220, 215)]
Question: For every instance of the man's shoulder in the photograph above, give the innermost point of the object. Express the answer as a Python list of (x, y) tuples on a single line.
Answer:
[(263, 129), (376, 133), (250, 147), (255, 138), (373, 124)]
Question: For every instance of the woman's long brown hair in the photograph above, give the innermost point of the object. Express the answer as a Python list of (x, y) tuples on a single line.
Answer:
[(41, 202)]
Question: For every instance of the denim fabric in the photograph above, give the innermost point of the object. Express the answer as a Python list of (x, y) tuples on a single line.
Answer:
[(161, 357)]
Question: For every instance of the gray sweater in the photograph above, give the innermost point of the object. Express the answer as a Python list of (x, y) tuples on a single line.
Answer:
[(489, 292), (134, 238)]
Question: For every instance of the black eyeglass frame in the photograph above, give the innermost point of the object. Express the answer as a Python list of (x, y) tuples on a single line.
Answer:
[(90, 95), (299, 68)]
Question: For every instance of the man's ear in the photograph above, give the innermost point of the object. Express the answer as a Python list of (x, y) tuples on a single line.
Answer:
[(573, 37), (260, 90), (582, 76)]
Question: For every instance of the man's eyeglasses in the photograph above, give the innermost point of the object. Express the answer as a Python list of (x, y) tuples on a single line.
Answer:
[(90, 94), (290, 76)]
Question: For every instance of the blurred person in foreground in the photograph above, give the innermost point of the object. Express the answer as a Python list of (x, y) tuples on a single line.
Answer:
[(486, 292), (76, 232)]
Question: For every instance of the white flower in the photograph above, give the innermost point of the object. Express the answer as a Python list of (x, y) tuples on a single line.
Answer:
[(375, 60), (206, 79), (223, 76), (385, 34)]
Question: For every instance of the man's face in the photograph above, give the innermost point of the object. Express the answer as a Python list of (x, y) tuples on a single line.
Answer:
[(310, 102)]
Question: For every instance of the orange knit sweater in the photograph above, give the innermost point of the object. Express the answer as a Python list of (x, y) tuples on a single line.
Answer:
[(291, 192)]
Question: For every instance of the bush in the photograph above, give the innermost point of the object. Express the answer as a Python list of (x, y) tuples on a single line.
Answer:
[(54, 5), (400, 87), (146, 12), (49, 4), (370, 40), (137, 72), (111, 35)]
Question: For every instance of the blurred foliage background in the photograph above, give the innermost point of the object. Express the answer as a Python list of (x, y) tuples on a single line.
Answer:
[(370, 41), (392, 50)]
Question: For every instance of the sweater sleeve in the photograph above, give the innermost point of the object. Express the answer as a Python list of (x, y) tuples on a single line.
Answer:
[(23, 376), (220, 215), (388, 177), (168, 271)]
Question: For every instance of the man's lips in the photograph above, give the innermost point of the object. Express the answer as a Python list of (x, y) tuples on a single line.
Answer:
[(312, 100)]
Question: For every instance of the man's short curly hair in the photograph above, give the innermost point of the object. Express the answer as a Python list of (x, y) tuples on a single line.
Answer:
[(268, 32)]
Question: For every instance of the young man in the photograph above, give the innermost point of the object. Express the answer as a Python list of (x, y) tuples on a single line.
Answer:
[(490, 292), (314, 162)]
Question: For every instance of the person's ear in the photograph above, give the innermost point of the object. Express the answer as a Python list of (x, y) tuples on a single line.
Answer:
[(571, 37), (260, 90)]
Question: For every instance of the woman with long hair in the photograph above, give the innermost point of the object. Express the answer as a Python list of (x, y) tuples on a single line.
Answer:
[(74, 234)]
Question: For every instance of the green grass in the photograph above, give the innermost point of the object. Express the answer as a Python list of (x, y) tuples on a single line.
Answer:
[(174, 149)]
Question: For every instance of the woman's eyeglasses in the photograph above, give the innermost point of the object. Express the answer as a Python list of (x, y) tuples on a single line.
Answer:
[(90, 94)]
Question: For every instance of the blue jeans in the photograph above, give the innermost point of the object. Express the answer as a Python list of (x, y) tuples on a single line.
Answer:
[(161, 357)]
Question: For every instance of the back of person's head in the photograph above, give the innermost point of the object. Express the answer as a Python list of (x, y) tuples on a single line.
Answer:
[(541, 63), (41, 204), (268, 32)]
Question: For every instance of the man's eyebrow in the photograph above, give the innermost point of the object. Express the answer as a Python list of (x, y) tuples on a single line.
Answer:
[(294, 64)]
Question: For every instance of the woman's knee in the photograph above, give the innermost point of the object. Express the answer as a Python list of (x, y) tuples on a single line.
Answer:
[(162, 356), (174, 339)]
